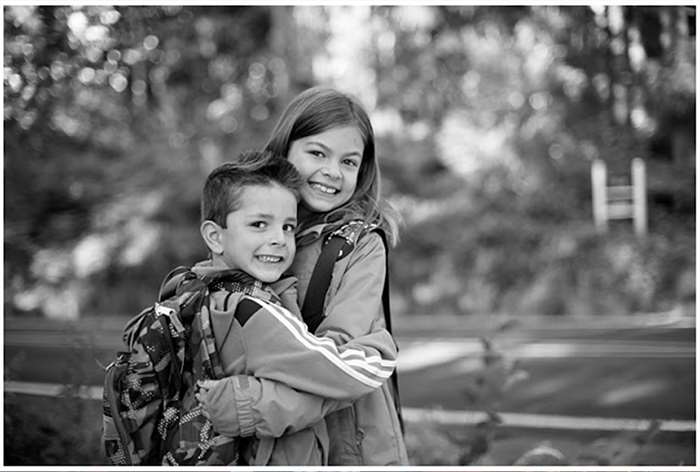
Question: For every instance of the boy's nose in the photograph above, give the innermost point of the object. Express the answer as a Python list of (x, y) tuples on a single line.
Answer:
[(277, 237)]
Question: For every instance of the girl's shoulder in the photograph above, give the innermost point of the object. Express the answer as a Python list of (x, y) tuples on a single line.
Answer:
[(353, 230), (359, 235)]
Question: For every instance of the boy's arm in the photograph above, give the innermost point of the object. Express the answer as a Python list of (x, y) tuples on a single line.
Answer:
[(243, 405)]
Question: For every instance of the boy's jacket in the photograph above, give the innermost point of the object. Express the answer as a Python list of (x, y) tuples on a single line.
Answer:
[(263, 339), (368, 431)]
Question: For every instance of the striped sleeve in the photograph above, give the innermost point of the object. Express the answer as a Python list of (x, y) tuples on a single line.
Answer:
[(279, 347)]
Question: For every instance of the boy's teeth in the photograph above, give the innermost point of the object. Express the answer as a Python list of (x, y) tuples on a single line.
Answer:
[(270, 258), (323, 188)]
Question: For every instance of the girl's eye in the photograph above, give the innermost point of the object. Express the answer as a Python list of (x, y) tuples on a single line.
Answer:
[(317, 153), (351, 163), (289, 227)]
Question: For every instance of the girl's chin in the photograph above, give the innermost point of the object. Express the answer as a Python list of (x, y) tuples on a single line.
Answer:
[(321, 205), (321, 208)]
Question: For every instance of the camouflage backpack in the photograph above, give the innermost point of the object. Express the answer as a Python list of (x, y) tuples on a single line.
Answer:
[(150, 415)]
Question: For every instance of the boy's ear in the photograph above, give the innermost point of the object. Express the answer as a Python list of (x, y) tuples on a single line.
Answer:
[(211, 233)]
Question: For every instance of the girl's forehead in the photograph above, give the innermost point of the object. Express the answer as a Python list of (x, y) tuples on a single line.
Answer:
[(341, 135)]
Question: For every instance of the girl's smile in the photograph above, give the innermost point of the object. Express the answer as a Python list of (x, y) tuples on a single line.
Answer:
[(329, 162)]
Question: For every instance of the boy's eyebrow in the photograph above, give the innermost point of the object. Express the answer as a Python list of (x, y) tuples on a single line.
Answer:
[(259, 215), (319, 143), (267, 215)]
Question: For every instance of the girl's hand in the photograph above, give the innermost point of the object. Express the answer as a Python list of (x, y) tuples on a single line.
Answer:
[(205, 384), (202, 389)]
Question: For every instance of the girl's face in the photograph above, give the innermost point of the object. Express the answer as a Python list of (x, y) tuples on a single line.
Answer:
[(329, 163)]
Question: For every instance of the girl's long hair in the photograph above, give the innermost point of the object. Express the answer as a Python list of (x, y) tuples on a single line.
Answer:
[(318, 109)]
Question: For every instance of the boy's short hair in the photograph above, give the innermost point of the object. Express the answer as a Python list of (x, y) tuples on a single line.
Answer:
[(223, 187)]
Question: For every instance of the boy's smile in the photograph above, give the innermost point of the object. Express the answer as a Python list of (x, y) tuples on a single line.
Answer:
[(329, 162), (259, 235)]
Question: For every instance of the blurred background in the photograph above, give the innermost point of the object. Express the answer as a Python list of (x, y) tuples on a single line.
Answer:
[(487, 120)]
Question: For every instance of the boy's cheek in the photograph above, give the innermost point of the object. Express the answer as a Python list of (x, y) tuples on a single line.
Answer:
[(292, 253)]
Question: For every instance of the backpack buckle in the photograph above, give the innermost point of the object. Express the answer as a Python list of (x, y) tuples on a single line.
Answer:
[(172, 314)]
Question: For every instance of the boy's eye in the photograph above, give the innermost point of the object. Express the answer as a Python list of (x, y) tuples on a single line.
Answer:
[(289, 227), (259, 224)]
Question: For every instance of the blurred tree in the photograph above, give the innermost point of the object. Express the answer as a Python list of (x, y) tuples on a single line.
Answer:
[(114, 115), (569, 84), (109, 114)]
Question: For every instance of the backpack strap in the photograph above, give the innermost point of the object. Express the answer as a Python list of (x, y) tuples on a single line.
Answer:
[(172, 281), (339, 244), (312, 310), (387, 320)]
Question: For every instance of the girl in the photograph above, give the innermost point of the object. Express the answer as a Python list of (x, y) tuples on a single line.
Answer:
[(328, 137)]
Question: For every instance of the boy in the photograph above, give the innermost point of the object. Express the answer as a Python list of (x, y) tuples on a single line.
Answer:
[(249, 214)]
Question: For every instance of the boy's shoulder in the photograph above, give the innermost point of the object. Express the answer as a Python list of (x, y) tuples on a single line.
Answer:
[(247, 306)]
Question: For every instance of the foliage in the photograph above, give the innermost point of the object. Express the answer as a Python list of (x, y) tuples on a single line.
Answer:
[(487, 119), (51, 431), (520, 135), (102, 116)]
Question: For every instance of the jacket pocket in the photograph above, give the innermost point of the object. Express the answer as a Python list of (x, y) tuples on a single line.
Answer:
[(306, 447), (345, 438)]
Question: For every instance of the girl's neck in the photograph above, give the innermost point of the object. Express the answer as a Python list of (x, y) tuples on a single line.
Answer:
[(305, 214), (309, 217)]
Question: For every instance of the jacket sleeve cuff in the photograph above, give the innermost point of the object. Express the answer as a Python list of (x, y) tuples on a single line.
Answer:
[(221, 408), (244, 394)]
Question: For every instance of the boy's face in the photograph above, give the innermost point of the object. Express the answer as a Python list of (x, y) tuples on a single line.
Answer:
[(259, 236)]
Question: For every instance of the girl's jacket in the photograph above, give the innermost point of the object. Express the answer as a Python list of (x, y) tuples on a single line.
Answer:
[(367, 432), (259, 337)]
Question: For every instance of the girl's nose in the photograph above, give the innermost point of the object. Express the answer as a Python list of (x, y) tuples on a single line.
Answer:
[(331, 171)]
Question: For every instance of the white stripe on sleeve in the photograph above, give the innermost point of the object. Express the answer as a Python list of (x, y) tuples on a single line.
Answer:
[(323, 341), (327, 347)]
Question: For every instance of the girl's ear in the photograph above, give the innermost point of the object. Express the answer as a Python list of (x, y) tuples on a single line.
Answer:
[(211, 233)]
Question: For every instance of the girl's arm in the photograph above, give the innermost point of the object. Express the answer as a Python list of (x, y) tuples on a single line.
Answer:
[(278, 347)]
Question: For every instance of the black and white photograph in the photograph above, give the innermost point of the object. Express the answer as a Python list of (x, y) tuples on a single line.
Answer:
[(350, 236)]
